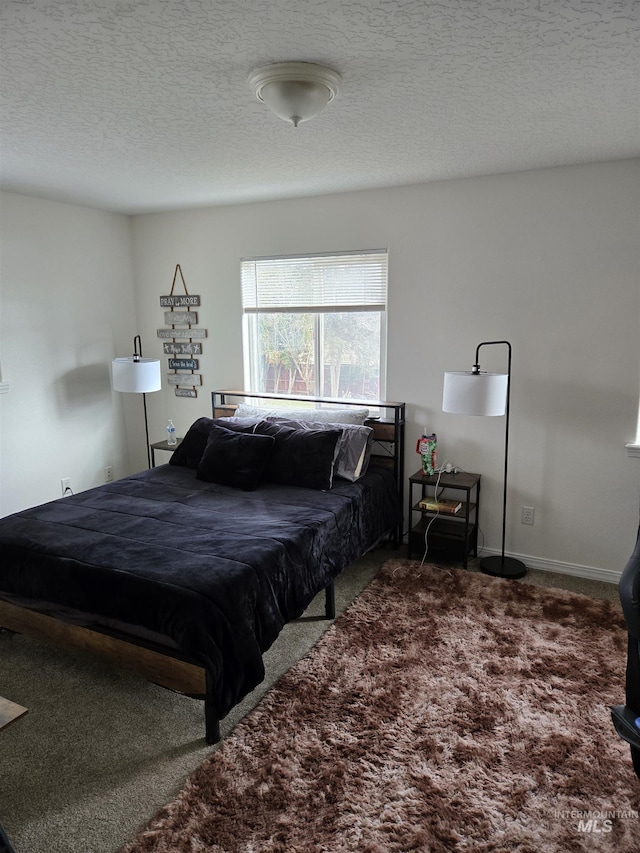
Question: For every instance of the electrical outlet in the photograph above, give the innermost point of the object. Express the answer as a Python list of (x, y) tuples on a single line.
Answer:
[(108, 474), (65, 485), (528, 514)]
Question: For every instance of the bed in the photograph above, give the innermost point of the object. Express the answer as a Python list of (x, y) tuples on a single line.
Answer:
[(186, 573)]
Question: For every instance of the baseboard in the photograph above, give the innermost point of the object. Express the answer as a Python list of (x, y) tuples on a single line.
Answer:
[(593, 573)]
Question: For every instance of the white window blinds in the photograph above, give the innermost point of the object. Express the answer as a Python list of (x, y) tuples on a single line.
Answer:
[(353, 281)]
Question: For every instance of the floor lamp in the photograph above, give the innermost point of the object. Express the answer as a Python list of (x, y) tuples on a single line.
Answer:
[(481, 393), (137, 375)]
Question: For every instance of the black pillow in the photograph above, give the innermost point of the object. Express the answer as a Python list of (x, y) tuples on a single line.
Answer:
[(300, 457), (234, 458), (189, 453)]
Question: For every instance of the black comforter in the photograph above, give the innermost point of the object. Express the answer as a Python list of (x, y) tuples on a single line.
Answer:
[(216, 571)]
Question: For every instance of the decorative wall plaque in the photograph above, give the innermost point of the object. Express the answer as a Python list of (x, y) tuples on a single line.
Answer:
[(178, 317), (183, 363), (182, 333), (192, 348), (184, 379), (181, 318), (179, 301)]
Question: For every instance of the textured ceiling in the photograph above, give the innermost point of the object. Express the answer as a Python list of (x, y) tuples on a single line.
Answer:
[(141, 105)]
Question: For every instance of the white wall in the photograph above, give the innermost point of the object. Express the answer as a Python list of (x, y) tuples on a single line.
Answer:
[(66, 309), (546, 259)]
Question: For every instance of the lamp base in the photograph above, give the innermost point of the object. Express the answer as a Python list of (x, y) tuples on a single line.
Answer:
[(503, 567)]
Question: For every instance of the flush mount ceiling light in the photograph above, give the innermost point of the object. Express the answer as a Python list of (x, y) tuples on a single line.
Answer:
[(295, 91)]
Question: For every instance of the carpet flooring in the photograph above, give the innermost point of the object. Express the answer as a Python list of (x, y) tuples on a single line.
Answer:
[(444, 712)]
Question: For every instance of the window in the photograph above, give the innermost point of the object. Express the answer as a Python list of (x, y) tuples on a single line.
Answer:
[(316, 325)]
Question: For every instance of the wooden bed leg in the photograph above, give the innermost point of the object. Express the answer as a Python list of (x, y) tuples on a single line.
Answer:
[(211, 719), (330, 601)]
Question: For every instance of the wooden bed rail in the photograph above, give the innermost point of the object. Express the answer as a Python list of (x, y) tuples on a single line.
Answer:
[(170, 672), (160, 666)]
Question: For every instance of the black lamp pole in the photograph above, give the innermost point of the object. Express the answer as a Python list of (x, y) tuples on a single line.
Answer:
[(137, 355)]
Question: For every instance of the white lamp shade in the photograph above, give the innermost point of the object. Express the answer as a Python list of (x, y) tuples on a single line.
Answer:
[(136, 377), (467, 393)]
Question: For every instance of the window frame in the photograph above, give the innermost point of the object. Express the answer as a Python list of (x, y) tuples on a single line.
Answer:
[(250, 313)]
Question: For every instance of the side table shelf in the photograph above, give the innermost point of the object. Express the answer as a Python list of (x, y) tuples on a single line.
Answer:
[(457, 531), (162, 445)]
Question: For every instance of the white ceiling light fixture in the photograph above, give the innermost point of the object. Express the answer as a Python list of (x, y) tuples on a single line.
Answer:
[(295, 91)]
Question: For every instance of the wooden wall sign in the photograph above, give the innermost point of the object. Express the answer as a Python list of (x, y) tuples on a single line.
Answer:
[(182, 333), (181, 318), (184, 379), (183, 363), (192, 348), (185, 383), (179, 301)]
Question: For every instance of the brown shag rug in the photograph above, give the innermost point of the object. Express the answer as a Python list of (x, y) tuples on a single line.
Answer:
[(445, 711)]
